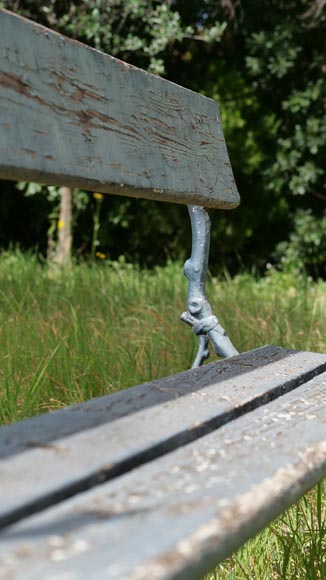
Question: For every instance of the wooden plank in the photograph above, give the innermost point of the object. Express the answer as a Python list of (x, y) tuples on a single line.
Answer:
[(179, 515), (71, 115), (263, 362), (111, 435)]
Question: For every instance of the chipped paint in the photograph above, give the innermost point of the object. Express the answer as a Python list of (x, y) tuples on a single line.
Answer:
[(161, 141)]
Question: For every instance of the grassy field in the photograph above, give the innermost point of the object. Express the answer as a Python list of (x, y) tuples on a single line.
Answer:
[(91, 330)]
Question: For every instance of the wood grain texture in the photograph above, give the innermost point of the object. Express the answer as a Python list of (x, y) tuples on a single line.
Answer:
[(71, 115), (47, 428), (177, 516), (80, 447)]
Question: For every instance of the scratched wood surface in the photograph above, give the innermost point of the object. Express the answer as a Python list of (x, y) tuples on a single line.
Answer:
[(79, 447), (72, 115), (179, 515)]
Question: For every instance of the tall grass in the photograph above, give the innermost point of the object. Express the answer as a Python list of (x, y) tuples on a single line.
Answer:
[(293, 547), (93, 329)]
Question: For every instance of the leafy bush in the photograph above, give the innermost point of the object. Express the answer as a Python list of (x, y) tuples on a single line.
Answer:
[(306, 247)]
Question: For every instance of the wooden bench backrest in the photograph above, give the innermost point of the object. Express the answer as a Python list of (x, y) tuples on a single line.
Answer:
[(71, 115)]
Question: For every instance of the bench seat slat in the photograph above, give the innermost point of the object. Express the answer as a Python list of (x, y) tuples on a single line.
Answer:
[(71, 115), (77, 448), (179, 515)]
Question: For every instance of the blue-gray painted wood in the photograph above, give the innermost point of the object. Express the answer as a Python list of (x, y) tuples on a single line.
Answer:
[(178, 516), (47, 428), (80, 447), (74, 116)]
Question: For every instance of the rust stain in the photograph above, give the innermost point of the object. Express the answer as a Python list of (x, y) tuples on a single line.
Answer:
[(59, 81), (111, 121), (124, 66), (80, 90), (150, 120), (78, 95), (86, 91), (120, 166), (14, 83), (30, 152), (39, 444), (87, 118), (39, 132), (164, 140)]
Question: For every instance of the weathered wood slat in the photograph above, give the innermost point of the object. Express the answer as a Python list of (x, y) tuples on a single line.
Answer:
[(77, 448), (72, 115), (176, 517), (263, 362)]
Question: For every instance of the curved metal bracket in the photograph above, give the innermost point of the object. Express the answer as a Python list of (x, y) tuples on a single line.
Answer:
[(199, 315)]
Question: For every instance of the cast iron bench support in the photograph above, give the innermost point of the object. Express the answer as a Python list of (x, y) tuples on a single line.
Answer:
[(199, 315)]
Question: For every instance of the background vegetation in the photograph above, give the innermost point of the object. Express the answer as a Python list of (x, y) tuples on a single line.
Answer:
[(68, 335), (264, 62)]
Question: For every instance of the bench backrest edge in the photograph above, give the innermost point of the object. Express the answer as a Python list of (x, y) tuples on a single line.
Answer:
[(71, 115)]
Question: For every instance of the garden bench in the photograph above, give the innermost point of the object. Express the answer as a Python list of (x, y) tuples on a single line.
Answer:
[(165, 479)]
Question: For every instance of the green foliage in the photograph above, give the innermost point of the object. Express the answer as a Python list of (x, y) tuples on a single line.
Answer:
[(288, 70), (115, 28), (264, 63), (272, 93), (272, 54), (305, 250)]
